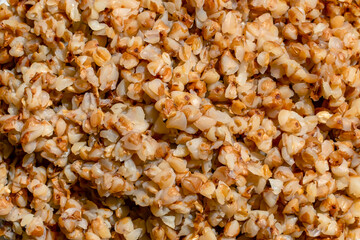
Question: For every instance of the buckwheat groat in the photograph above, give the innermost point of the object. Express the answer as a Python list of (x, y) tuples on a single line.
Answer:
[(180, 119)]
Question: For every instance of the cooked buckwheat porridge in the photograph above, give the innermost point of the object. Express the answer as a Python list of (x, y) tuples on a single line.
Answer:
[(180, 119)]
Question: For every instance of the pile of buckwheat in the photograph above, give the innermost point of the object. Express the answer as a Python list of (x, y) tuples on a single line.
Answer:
[(180, 119)]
